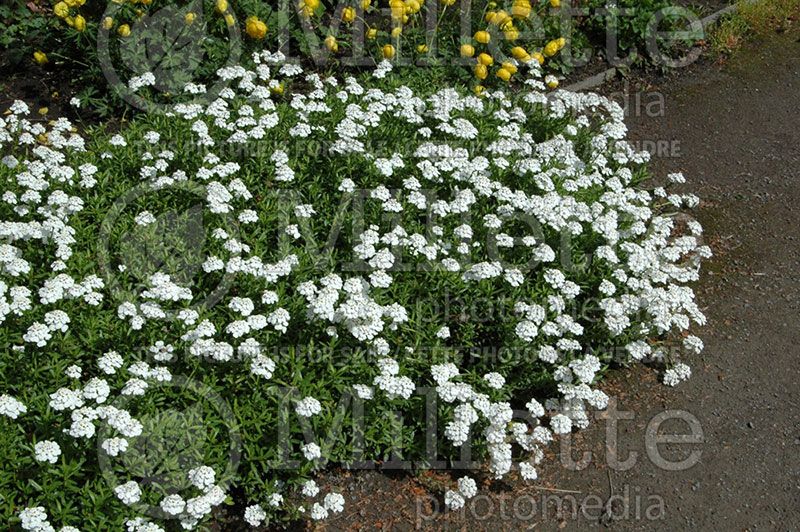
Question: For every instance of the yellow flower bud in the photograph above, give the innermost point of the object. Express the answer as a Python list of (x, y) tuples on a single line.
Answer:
[(229, 20), (551, 81), (481, 71), (396, 31), (504, 74), (500, 18), (61, 10), (538, 57), (483, 37), (80, 23), (519, 53), (555, 3), (467, 50), (388, 51), (521, 10), (511, 67), (331, 44), (124, 30), (365, 4), (551, 49), (422, 48), (255, 28), (512, 34), (221, 5), (349, 14), (372, 33), (190, 18), (485, 59), (43, 110), (40, 57), (108, 23), (478, 89)]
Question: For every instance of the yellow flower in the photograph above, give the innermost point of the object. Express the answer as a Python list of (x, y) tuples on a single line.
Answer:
[(520, 53), (108, 23), (551, 81), (467, 50), (481, 71), (512, 34), (61, 10), (521, 9), (448, 2), (331, 44), (40, 57), (562, 42), (478, 89), (504, 74), (365, 4), (307, 7), (229, 20), (388, 51), (551, 49), (349, 14), (372, 33), (124, 30), (222, 5), (255, 27), (422, 48), (538, 56), (396, 31), (43, 110), (190, 18), (511, 67), (72, 3), (277, 90), (413, 6), (499, 19), (80, 23), (483, 37), (485, 59), (555, 3), (398, 9)]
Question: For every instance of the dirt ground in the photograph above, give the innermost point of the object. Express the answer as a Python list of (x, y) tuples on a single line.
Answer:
[(734, 130)]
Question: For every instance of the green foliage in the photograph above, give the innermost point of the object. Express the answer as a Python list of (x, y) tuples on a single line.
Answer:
[(99, 62)]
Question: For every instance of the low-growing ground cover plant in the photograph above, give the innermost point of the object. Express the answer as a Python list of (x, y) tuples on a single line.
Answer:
[(210, 305)]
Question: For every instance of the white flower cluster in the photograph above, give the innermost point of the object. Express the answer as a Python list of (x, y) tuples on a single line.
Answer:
[(471, 218), (467, 489)]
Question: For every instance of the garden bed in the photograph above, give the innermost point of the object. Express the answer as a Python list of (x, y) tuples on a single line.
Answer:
[(480, 185)]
